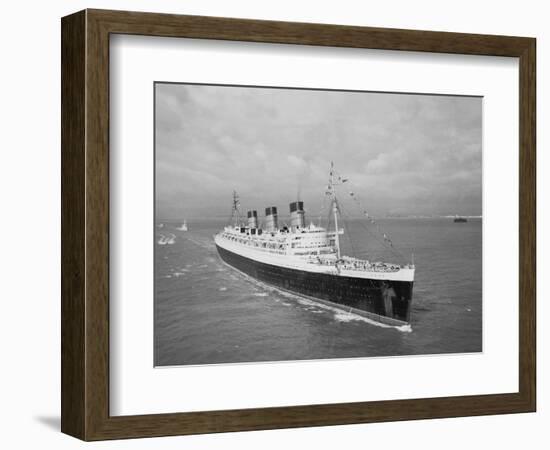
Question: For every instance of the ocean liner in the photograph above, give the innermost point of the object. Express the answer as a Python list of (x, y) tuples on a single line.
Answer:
[(306, 260)]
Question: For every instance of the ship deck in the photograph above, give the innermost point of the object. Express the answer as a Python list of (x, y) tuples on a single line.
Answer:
[(346, 266)]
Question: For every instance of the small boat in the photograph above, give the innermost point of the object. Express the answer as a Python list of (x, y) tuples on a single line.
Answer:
[(459, 219), (162, 240), (183, 226), (171, 239)]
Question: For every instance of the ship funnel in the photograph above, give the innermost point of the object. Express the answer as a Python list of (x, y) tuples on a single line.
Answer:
[(252, 219), (297, 215), (271, 219)]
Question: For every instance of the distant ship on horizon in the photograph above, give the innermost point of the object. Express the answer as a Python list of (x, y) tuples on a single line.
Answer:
[(307, 260), (459, 219)]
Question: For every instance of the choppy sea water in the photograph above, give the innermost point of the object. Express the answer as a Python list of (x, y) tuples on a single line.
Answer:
[(206, 312)]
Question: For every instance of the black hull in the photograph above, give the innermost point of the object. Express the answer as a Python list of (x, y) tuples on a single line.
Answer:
[(382, 300)]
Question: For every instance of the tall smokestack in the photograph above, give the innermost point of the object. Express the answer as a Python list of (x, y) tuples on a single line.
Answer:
[(252, 219), (297, 215), (271, 219)]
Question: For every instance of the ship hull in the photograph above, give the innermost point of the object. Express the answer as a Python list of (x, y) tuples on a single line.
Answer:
[(386, 301)]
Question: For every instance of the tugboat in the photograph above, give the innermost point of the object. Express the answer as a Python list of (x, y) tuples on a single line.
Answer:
[(306, 260)]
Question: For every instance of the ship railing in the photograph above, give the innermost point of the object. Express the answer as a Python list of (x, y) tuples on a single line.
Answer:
[(357, 266), (369, 268)]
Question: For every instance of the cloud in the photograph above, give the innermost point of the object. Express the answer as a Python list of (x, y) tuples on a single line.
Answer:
[(412, 154)]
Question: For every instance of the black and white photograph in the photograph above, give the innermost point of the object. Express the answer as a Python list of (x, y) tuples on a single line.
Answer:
[(307, 224)]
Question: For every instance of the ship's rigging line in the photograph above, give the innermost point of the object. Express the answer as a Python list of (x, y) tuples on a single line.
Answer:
[(323, 207), (345, 218), (382, 243), (386, 242)]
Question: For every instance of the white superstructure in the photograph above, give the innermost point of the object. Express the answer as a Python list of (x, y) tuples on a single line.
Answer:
[(312, 249)]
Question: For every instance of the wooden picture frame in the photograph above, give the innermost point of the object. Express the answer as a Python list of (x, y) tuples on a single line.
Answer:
[(85, 224)]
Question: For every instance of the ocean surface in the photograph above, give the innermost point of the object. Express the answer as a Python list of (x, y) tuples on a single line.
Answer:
[(207, 313)]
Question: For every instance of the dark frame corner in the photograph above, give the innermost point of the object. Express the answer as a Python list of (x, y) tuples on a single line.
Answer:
[(85, 224)]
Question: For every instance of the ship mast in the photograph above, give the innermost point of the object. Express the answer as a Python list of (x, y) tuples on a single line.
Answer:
[(334, 208), (235, 209)]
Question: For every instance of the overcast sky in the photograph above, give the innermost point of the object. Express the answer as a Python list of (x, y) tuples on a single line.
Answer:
[(405, 154)]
